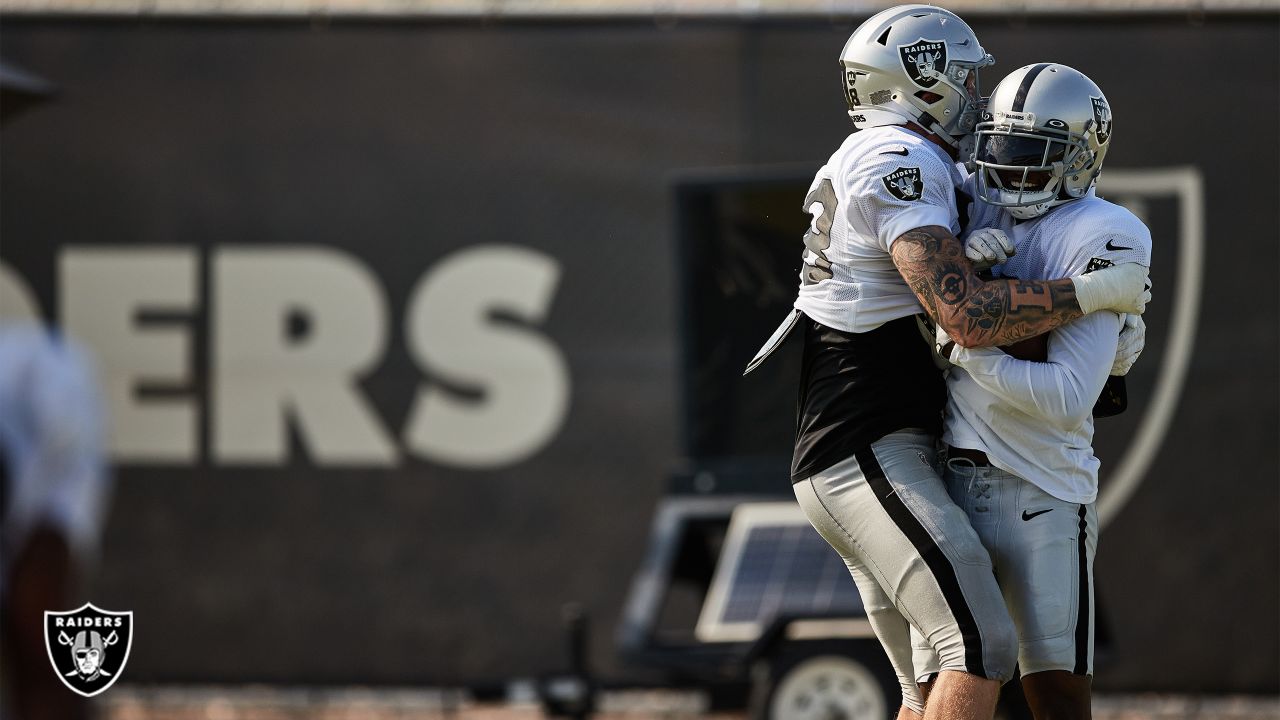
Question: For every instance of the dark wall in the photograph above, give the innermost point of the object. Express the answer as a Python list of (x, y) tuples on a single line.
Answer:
[(400, 144)]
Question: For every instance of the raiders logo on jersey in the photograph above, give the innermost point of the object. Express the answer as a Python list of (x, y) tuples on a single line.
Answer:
[(904, 183), (1097, 264)]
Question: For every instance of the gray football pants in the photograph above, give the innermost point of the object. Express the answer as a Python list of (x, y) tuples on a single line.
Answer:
[(915, 558), (1043, 550)]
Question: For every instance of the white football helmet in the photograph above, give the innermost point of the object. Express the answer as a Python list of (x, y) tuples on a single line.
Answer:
[(1042, 139), (914, 63)]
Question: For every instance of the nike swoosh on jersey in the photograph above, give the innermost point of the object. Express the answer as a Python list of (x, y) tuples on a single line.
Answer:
[(899, 151), (1028, 516), (1111, 245)]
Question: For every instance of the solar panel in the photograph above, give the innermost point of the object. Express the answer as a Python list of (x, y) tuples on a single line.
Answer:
[(773, 563)]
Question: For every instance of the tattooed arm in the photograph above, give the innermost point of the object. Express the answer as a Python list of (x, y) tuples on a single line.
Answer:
[(973, 312)]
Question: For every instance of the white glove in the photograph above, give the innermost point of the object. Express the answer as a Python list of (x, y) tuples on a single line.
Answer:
[(1120, 288), (1133, 338), (988, 247)]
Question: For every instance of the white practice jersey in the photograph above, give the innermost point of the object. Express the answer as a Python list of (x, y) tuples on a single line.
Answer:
[(881, 183), (51, 440), (1034, 419)]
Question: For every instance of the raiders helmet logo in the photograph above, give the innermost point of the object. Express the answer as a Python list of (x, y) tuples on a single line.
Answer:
[(924, 61), (88, 647), (904, 183), (1102, 116), (851, 93)]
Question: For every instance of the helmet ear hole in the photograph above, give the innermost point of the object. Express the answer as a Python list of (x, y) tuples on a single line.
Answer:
[(928, 97)]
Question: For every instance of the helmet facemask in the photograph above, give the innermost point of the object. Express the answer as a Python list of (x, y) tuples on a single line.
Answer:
[(1022, 166)]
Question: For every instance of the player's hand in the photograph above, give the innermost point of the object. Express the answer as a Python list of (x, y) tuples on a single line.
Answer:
[(1133, 338), (1122, 288), (988, 247)]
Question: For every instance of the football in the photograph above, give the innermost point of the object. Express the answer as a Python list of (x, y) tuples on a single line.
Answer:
[(1033, 348)]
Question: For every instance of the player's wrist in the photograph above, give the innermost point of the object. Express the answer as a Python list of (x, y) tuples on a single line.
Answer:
[(1122, 288)]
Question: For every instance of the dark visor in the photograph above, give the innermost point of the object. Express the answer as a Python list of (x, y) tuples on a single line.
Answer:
[(1016, 150)]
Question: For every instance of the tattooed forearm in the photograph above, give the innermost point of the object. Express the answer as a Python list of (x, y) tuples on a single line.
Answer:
[(1006, 311), (917, 245), (973, 312)]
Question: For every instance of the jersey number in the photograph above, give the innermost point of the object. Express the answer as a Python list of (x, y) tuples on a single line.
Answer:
[(818, 239)]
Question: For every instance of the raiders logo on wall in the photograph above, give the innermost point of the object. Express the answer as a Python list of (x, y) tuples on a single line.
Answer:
[(904, 183), (924, 61), (88, 646), (1102, 116)]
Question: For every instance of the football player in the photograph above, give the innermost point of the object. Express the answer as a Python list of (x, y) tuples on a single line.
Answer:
[(1019, 423), (881, 250)]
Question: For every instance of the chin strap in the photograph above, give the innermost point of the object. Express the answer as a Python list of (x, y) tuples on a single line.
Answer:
[(928, 122), (966, 150)]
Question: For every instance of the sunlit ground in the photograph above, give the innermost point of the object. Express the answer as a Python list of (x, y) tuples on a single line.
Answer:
[(265, 703)]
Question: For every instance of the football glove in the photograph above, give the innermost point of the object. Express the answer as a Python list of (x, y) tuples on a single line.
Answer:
[(988, 247), (1133, 338)]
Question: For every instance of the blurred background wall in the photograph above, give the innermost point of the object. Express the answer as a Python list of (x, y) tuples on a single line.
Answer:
[(386, 312)]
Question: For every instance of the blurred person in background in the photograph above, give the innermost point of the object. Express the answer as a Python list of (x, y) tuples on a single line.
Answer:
[(53, 482), (1019, 422), (54, 489)]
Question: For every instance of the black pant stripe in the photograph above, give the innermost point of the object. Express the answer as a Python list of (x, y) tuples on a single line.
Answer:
[(943, 572), (1082, 620)]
